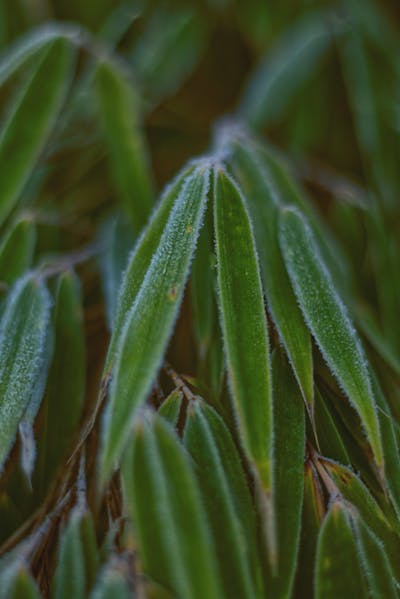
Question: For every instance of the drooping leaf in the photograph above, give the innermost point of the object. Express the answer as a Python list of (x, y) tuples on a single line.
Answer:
[(128, 155), (227, 499), (173, 533), (150, 321), (244, 324), (29, 124), (328, 321), (23, 331), (338, 570)]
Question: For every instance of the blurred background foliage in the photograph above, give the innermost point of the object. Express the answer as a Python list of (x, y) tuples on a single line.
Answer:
[(321, 80)]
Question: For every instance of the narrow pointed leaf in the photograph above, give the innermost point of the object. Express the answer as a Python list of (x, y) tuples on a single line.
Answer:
[(377, 568), (338, 571), (24, 587), (112, 584), (328, 321), (227, 499), (27, 127), (150, 322), (139, 261), (244, 324), (130, 168), (170, 408), (173, 535), (285, 69), (289, 448), (16, 251), (263, 199), (23, 330)]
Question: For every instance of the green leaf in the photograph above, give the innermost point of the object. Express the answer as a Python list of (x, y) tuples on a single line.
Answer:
[(172, 530), (150, 321), (313, 513), (128, 154), (24, 587), (289, 448), (66, 382), (227, 499), (30, 44), (112, 584), (73, 575), (244, 325), (338, 571), (328, 321), (376, 565), (16, 251), (170, 408), (29, 124), (354, 491), (118, 237), (23, 333), (263, 198), (140, 260), (330, 440), (285, 69)]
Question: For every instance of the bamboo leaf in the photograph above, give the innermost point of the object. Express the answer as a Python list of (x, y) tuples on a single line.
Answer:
[(28, 126), (244, 325), (229, 506), (289, 448), (376, 565), (170, 408), (328, 321), (173, 534), (338, 572), (139, 261), (128, 155), (285, 69), (23, 331), (16, 251), (150, 321), (73, 575), (263, 198)]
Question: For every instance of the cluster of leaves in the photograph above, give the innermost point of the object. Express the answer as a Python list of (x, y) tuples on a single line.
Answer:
[(199, 394)]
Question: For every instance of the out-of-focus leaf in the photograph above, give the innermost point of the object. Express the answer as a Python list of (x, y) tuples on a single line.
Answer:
[(24, 587), (73, 576), (285, 69), (227, 499), (66, 383), (28, 126), (140, 260), (112, 584), (263, 199), (30, 44), (128, 154), (244, 325), (23, 332), (118, 237), (170, 408), (328, 321), (289, 448), (150, 321), (338, 571), (173, 534), (313, 513), (168, 50), (16, 251)]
